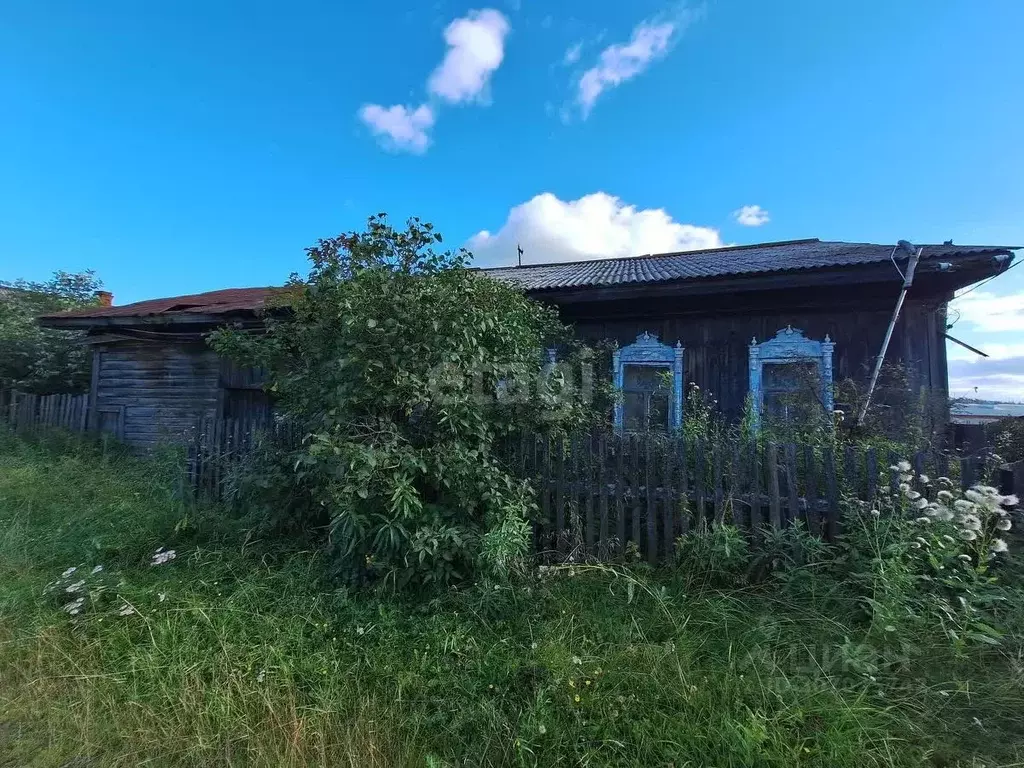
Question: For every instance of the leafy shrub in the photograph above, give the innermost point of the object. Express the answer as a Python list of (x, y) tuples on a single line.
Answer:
[(44, 360), (404, 371), (926, 563)]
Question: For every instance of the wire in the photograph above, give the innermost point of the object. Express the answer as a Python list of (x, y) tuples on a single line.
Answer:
[(988, 279)]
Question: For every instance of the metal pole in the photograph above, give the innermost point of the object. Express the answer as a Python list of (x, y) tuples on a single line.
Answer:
[(907, 280)]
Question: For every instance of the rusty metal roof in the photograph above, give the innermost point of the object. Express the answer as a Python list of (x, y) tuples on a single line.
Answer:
[(719, 262), (223, 302)]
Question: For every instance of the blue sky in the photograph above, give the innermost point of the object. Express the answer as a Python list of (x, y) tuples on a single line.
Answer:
[(187, 146)]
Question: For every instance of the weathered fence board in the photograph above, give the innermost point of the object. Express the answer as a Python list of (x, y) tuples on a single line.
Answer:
[(599, 491)]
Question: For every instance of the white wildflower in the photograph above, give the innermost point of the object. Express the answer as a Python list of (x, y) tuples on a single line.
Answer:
[(68, 572), (894, 468), (948, 538), (921, 502), (968, 535), (943, 513), (924, 479), (360, 631), (161, 557), (76, 587), (971, 522), (905, 488), (162, 596), (962, 505), (965, 558), (261, 676), (998, 545), (975, 495), (126, 610), (924, 543), (906, 478), (923, 520), (912, 495), (74, 607), (96, 570), (915, 544), (875, 513), (945, 481), (1009, 501), (903, 466), (577, 660), (1004, 524), (944, 495), (541, 729)]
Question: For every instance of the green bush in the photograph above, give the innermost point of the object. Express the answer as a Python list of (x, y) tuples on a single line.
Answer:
[(403, 371)]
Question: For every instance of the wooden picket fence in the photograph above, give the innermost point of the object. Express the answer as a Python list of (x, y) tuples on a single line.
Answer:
[(603, 493), (28, 414), (599, 493)]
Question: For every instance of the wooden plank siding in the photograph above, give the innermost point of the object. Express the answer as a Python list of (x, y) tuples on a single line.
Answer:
[(717, 340), (163, 388)]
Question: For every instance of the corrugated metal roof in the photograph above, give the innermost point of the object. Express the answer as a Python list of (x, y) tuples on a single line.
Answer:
[(718, 262), (659, 268)]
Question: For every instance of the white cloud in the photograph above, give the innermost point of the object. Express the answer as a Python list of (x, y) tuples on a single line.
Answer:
[(596, 226), (399, 128), (572, 54), (476, 46), (990, 379), (987, 312), (751, 216), (620, 62)]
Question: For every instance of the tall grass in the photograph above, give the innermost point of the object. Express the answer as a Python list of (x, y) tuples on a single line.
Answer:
[(239, 653)]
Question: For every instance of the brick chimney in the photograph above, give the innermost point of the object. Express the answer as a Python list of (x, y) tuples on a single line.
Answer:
[(105, 298)]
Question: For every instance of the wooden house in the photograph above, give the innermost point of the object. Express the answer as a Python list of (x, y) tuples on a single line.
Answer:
[(732, 320)]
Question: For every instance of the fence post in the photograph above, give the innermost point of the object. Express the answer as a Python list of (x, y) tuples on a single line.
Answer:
[(668, 501), (602, 484), (774, 501), (756, 513), (832, 517), (620, 491), (793, 497), (650, 478)]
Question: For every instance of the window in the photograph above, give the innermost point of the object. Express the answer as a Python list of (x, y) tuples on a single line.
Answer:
[(791, 377), (649, 375), (645, 393)]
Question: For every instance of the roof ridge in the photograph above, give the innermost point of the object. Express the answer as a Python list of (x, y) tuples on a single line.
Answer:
[(719, 249)]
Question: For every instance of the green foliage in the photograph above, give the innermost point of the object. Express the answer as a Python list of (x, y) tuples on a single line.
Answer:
[(404, 370), (42, 360), (1007, 437), (236, 653)]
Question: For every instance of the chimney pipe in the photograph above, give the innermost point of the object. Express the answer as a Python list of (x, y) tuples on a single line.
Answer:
[(105, 298)]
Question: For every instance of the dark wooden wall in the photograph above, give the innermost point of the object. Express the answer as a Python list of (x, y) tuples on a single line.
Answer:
[(717, 340), (151, 392)]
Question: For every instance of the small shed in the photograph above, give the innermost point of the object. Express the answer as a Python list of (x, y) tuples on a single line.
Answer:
[(153, 374), (736, 321)]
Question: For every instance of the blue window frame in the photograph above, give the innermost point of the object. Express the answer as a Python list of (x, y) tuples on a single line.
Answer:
[(648, 402), (772, 362)]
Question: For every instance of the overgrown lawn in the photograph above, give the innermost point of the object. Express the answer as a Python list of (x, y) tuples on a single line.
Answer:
[(237, 652)]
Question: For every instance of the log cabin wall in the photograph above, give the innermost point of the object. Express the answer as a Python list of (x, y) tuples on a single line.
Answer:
[(147, 392), (717, 339)]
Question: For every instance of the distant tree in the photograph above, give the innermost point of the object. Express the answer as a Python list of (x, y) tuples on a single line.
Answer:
[(44, 360)]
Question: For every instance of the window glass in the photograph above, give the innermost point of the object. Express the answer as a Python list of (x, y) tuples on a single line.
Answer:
[(646, 391), (791, 391)]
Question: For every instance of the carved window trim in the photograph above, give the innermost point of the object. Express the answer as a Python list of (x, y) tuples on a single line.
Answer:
[(647, 351), (790, 346)]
